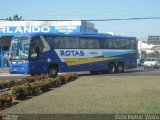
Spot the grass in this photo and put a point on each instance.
(97, 94)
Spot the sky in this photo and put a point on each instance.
(91, 9)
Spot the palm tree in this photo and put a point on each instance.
(15, 18)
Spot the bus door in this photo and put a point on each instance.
(35, 61)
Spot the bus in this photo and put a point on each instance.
(51, 53)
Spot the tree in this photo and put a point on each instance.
(15, 18)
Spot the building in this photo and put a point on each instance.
(8, 29)
(146, 50)
(154, 40)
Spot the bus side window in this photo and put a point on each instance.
(105, 43)
(97, 44)
(114, 44)
(83, 44)
(71, 42)
(55, 42)
(133, 44)
(37, 42)
(111, 44)
(59, 42)
(89, 43)
(123, 44)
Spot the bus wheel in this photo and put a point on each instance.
(111, 68)
(120, 68)
(53, 71)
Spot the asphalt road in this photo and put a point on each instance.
(132, 72)
(140, 71)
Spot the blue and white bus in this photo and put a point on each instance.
(45, 53)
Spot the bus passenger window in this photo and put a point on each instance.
(111, 44)
(59, 43)
(133, 44)
(71, 42)
(37, 42)
(88, 43)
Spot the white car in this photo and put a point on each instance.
(152, 62)
(140, 62)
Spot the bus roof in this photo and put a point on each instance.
(101, 35)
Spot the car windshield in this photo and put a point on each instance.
(19, 48)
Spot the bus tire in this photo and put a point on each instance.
(111, 68)
(53, 71)
(120, 68)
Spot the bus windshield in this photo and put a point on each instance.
(19, 48)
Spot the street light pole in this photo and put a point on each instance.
(140, 49)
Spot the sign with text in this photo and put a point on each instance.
(11, 28)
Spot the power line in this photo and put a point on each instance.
(115, 19)
(144, 18)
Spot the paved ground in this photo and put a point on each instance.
(4, 74)
(5, 70)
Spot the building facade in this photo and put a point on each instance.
(8, 29)
(154, 40)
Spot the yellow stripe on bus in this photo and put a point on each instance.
(79, 61)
